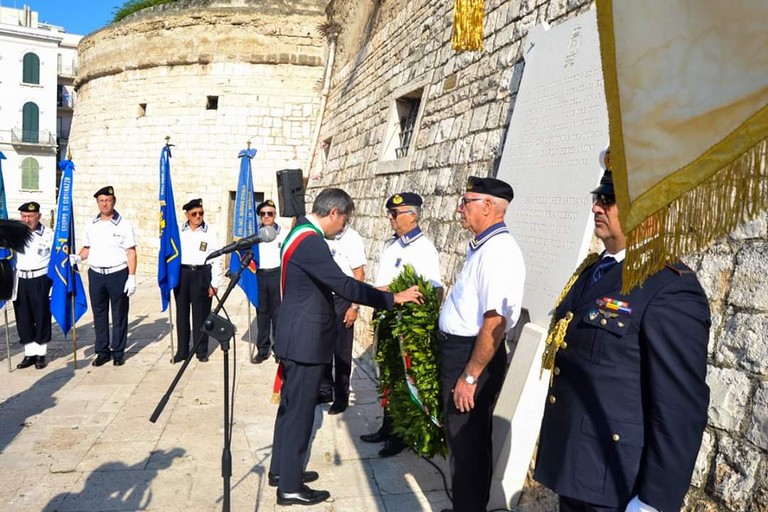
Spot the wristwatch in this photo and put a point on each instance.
(469, 379)
(355, 307)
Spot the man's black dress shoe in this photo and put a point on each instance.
(304, 496)
(118, 361)
(202, 359)
(325, 398)
(179, 359)
(27, 362)
(338, 407)
(40, 362)
(306, 477)
(379, 436)
(260, 358)
(392, 447)
(101, 359)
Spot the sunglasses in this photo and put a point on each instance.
(464, 200)
(196, 214)
(604, 200)
(394, 213)
(266, 214)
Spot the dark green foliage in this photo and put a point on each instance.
(415, 326)
(132, 6)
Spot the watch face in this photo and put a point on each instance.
(469, 379)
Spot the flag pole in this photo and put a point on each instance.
(170, 322)
(251, 348)
(74, 329)
(7, 337)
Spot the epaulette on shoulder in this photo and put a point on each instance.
(679, 268)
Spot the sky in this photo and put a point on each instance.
(76, 16)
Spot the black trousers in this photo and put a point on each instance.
(192, 295)
(106, 291)
(469, 434)
(269, 307)
(336, 375)
(32, 309)
(573, 505)
(293, 424)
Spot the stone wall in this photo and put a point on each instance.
(469, 98)
(154, 75)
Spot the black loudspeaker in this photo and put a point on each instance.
(290, 192)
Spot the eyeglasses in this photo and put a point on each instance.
(604, 200)
(464, 200)
(266, 214)
(196, 214)
(394, 213)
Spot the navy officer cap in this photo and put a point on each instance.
(606, 182)
(268, 202)
(105, 191)
(30, 207)
(490, 186)
(194, 203)
(404, 199)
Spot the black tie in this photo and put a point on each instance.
(601, 268)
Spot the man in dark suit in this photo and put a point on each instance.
(627, 405)
(306, 336)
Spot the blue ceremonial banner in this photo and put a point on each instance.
(66, 287)
(169, 257)
(245, 225)
(5, 253)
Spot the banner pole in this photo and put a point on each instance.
(7, 337)
(170, 321)
(251, 348)
(74, 331)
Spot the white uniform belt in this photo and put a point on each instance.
(109, 270)
(31, 274)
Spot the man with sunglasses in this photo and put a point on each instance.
(627, 403)
(198, 281)
(407, 246)
(268, 273)
(483, 305)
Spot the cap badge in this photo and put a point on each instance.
(397, 199)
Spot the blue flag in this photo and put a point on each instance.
(5, 253)
(66, 287)
(169, 256)
(245, 225)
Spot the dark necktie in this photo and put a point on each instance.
(601, 268)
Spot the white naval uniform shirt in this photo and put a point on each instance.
(197, 244)
(348, 251)
(414, 249)
(108, 241)
(37, 252)
(269, 252)
(492, 279)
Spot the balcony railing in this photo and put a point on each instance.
(33, 138)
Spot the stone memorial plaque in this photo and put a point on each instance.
(551, 156)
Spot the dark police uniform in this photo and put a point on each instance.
(32, 306)
(196, 278)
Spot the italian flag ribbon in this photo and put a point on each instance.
(298, 234)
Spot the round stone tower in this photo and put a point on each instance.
(211, 75)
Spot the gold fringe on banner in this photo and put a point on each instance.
(714, 208)
(468, 25)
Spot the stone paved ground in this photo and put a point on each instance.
(79, 439)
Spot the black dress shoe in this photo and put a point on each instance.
(101, 359)
(306, 477)
(392, 447)
(40, 362)
(304, 496)
(27, 362)
(202, 359)
(338, 407)
(179, 359)
(379, 436)
(118, 361)
(260, 358)
(325, 398)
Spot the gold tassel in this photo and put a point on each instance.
(714, 208)
(468, 25)
(275, 398)
(557, 328)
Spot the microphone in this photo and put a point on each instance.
(265, 234)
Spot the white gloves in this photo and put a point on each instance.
(130, 285)
(75, 259)
(636, 505)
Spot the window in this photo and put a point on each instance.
(30, 174)
(30, 123)
(407, 112)
(212, 103)
(31, 69)
(401, 132)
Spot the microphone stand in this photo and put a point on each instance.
(222, 330)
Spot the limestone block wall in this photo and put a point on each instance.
(386, 48)
(212, 76)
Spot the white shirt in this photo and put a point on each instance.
(348, 251)
(413, 249)
(492, 279)
(269, 252)
(108, 241)
(37, 252)
(197, 244)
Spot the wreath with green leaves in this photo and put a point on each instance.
(407, 337)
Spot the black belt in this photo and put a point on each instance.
(195, 267)
(455, 338)
(268, 270)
